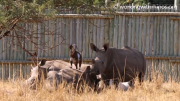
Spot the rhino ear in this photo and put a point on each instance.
(93, 47)
(93, 61)
(106, 46)
(88, 68)
(43, 61)
(70, 46)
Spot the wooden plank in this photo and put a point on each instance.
(60, 36)
(1, 72)
(133, 31)
(129, 31)
(168, 36)
(123, 31)
(175, 37)
(84, 37)
(46, 37)
(179, 40)
(155, 35)
(115, 32)
(1, 49)
(57, 38)
(147, 36)
(87, 38)
(137, 32)
(120, 31)
(77, 33)
(172, 38)
(140, 33)
(67, 39)
(71, 31)
(94, 34)
(164, 37)
(151, 35)
(158, 36)
(161, 36)
(74, 31)
(80, 36)
(111, 32)
(102, 32)
(98, 34)
(144, 34)
(126, 31)
(90, 37)
(107, 31)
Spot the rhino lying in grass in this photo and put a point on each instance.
(55, 72)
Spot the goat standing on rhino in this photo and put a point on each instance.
(75, 56)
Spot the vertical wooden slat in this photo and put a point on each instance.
(115, 32)
(164, 37)
(111, 32)
(137, 32)
(144, 35)
(151, 35)
(133, 31)
(67, 38)
(129, 32)
(84, 37)
(147, 36)
(123, 32)
(120, 31)
(140, 33)
(71, 31)
(80, 35)
(63, 23)
(155, 36)
(60, 36)
(77, 33)
(179, 39)
(158, 35)
(172, 38)
(102, 32)
(1, 72)
(87, 38)
(46, 37)
(90, 36)
(175, 37)
(94, 34)
(107, 31)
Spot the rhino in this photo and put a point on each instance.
(121, 65)
(53, 73)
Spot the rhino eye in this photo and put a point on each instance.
(102, 62)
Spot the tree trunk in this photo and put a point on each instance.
(107, 3)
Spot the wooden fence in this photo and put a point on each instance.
(123, 8)
(156, 35)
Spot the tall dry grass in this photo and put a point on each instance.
(156, 90)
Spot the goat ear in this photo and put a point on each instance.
(70, 46)
(43, 61)
(93, 47)
(106, 46)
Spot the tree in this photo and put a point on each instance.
(13, 12)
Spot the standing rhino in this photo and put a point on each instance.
(118, 64)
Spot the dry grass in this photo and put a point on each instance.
(149, 91)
